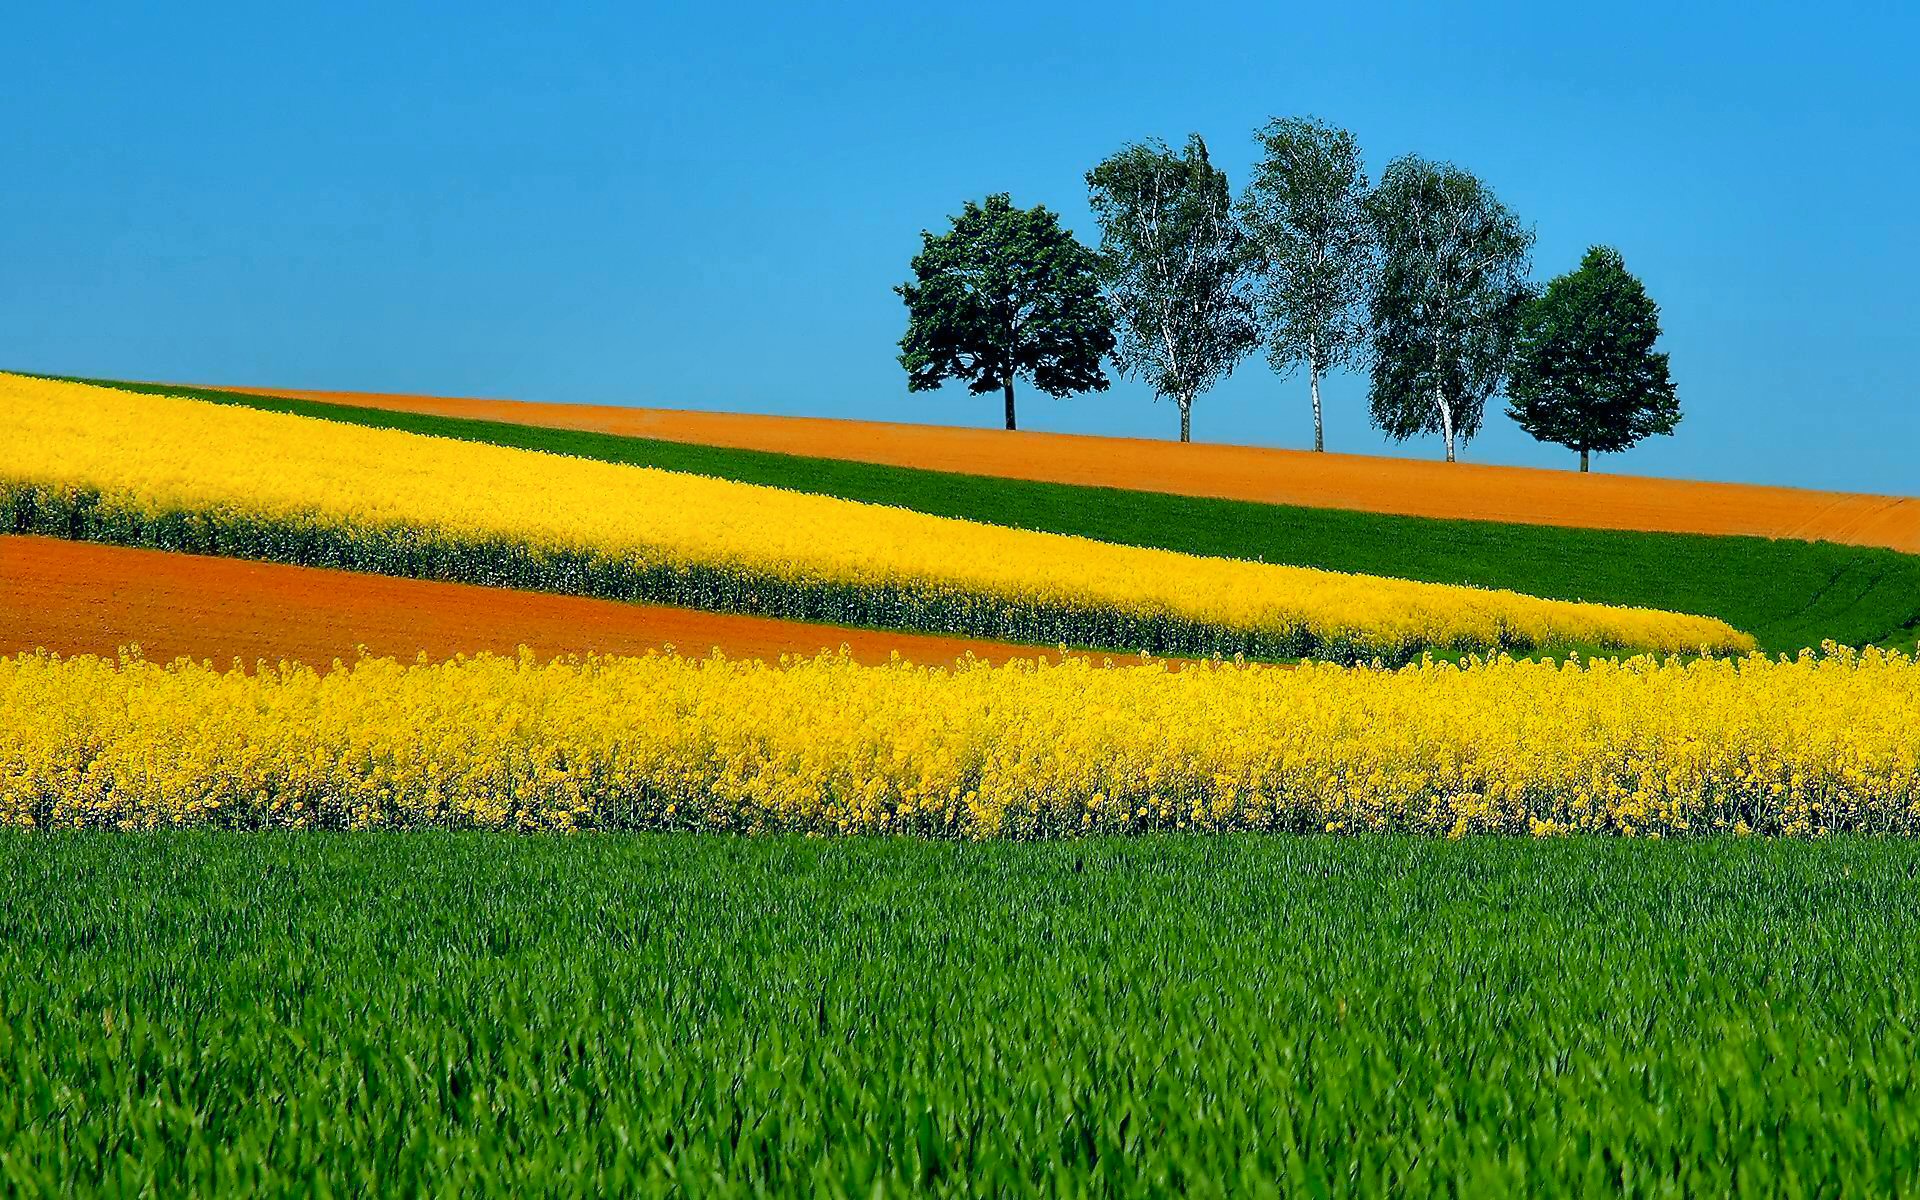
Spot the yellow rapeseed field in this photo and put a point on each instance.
(1820, 744)
(115, 466)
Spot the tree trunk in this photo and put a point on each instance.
(1186, 420)
(1009, 402)
(1313, 381)
(1583, 460)
(1446, 421)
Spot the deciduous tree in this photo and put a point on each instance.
(1006, 293)
(1445, 304)
(1305, 214)
(1176, 266)
(1585, 372)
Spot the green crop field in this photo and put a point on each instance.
(406, 1014)
(1788, 594)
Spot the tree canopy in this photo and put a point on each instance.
(1176, 266)
(1306, 216)
(1006, 293)
(1586, 375)
(1420, 281)
(1445, 305)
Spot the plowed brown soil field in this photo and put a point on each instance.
(76, 598)
(1365, 483)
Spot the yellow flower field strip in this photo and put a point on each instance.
(112, 465)
(1804, 747)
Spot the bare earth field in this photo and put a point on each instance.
(1348, 481)
(78, 598)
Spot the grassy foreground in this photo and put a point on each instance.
(476, 1014)
(1788, 594)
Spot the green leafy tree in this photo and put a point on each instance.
(1177, 263)
(1305, 211)
(1585, 373)
(1446, 302)
(1006, 293)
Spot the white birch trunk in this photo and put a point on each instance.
(1313, 385)
(1313, 381)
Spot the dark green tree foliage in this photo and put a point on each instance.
(1005, 293)
(1305, 213)
(1585, 372)
(1446, 303)
(1177, 265)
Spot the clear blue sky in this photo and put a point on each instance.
(705, 206)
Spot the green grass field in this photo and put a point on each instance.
(1788, 594)
(472, 1014)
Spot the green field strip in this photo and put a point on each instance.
(1788, 594)
(201, 1013)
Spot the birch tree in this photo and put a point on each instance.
(1305, 212)
(1446, 302)
(1176, 266)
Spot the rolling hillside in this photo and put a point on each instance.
(1362, 483)
(178, 473)
(1789, 593)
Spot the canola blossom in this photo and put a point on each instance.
(102, 464)
(1816, 745)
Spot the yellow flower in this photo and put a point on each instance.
(1802, 747)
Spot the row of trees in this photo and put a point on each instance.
(1422, 280)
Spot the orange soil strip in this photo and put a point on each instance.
(77, 598)
(1367, 483)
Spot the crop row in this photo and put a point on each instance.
(1803, 747)
(96, 463)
